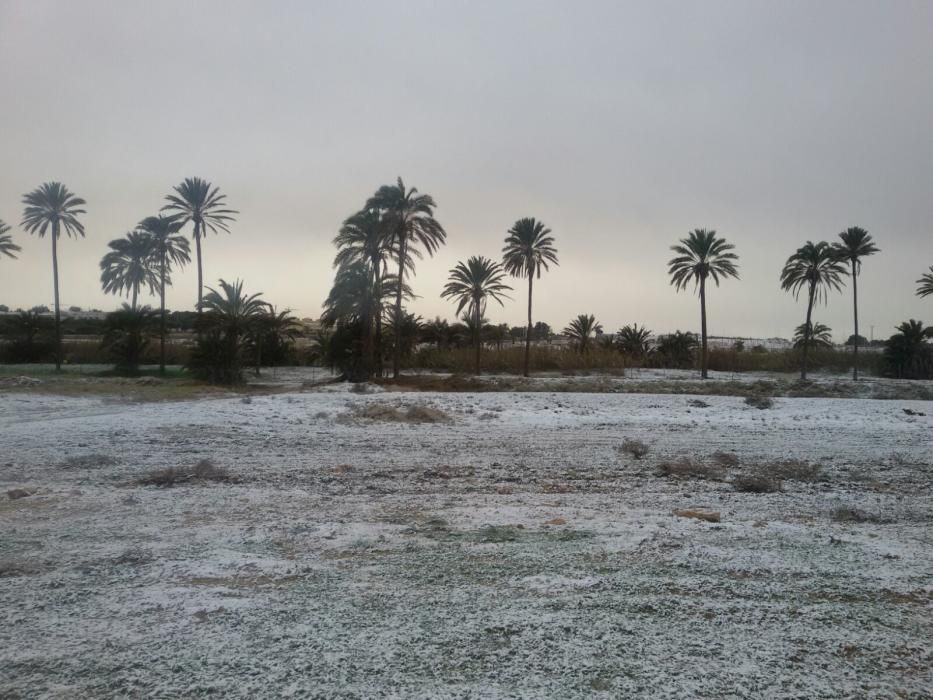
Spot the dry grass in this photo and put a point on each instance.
(90, 461)
(793, 470)
(686, 468)
(849, 514)
(203, 471)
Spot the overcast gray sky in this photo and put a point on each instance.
(621, 125)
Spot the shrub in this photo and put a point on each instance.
(726, 460)
(634, 448)
(759, 402)
(756, 483)
(685, 468)
(849, 514)
(794, 470)
(204, 470)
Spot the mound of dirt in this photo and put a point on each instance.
(396, 413)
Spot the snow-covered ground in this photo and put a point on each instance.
(510, 551)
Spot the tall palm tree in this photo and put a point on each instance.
(50, 208)
(128, 266)
(168, 248)
(201, 203)
(856, 243)
(907, 354)
(7, 246)
(366, 237)
(411, 220)
(471, 285)
(816, 268)
(925, 284)
(582, 329)
(701, 255)
(529, 248)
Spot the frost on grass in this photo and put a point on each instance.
(727, 460)
(89, 461)
(381, 412)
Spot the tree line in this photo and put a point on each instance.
(378, 248)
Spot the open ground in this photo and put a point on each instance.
(326, 542)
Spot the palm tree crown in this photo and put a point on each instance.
(529, 249)
(581, 330)
(925, 284)
(475, 281)
(7, 246)
(701, 255)
(816, 267)
(53, 205)
(129, 265)
(166, 241)
(634, 340)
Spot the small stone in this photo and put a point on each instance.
(18, 493)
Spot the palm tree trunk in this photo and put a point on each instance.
(703, 358)
(258, 353)
(197, 244)
(58, 317)
(855, 311)
(807, 331)
(528, 329)
(135, 296)
(377, 341)
(476, 331)
(397, 351)
(162, 318)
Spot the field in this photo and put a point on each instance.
(330, 542)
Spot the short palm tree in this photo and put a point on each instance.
(634, 340)
(856, 243)
(272, 331)
(700, 256)
(410, 218)
(817, 268)
(229, 314)
(127, 332)
(7, 246)
(581, 331)
(471, 285)
(201, 203)
(676, 350)
(50, 208)
(168, 248)
(907, 354)
(128, 266)
(925, 284)
(819, 336)
(529, 249)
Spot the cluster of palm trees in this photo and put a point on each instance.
(378, 247)
(143, 257)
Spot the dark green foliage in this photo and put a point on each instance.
(907, 354)
(676, 350)
(127, 335)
